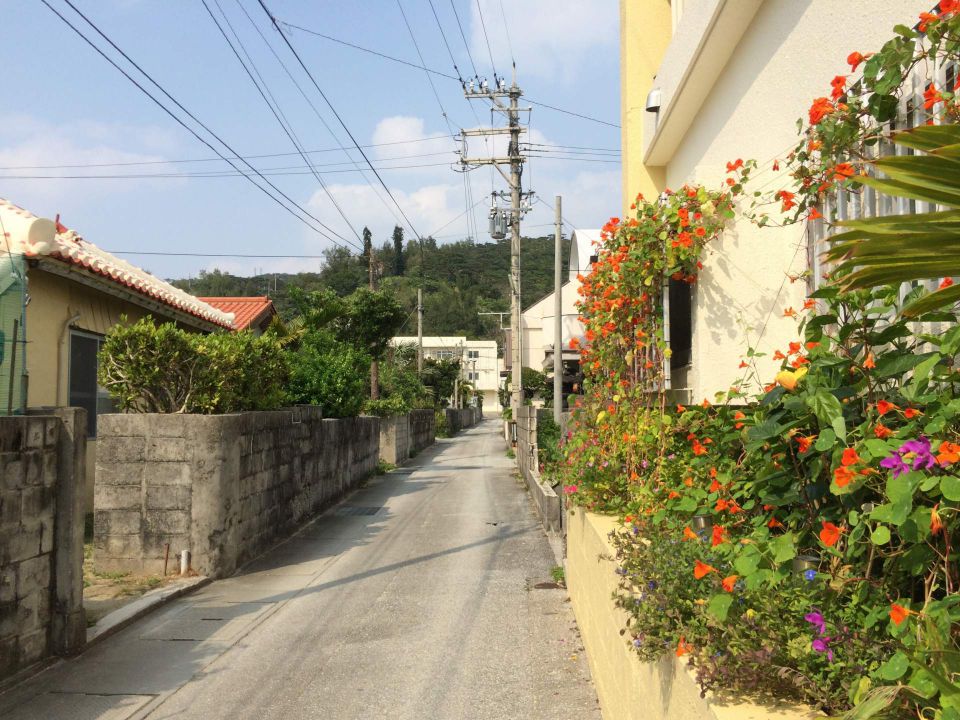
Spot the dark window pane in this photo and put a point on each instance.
(83, 377)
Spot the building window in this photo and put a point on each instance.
(473, 354)
(681, 330)
(83, 388)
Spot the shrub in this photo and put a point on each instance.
(442, 427)
(163, 369)
(329, 373)
(386, 407)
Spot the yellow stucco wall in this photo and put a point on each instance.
(53, 301)
(645, 30)
(627, 688)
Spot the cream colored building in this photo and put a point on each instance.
(479, 365)
(538, 319)
(727, 79)
(74, 293)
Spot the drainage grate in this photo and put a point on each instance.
(357, 510)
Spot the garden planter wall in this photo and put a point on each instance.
(628, 688)
(223, 487)
(42, 470)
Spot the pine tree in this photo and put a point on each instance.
(367, 243)
(399, 262)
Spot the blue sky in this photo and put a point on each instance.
(70, 107)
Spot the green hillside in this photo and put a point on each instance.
(459, 280)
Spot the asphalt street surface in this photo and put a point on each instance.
(415, 597)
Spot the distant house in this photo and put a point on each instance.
(538, 319)
(249, 313)
(59, 295)
(479, 364)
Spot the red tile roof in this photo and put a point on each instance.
(247, 311)
(42, 238)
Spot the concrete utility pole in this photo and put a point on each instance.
(419, 331)
(558, 318)
(515, 160)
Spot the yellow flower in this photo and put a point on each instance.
(788, 379)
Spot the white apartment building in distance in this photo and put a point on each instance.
(479, 365)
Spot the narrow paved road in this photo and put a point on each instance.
(414, 598)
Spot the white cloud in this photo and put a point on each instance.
(33, 147)
(551, 38)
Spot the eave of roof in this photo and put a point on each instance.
(247, 311)
(40, 238)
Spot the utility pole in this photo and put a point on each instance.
(419, 331)
(557, 317)
(515, 160)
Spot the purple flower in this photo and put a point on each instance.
(822, 645)
(895, 464)
(816, 619)
(913, 454)
(809, 575)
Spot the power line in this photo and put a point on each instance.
(179, 121)
(433, 71)
(464, 37)
(506, 27)
(574, 147)
(446, 44)
(277, 113)
(211, 174)
(316, 112)
(487, 39)
(336, 114)
(244, 157)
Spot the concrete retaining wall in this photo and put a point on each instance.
(423, 430)
(223, 487)
(628, 688)
(41, 537)
(547, 502)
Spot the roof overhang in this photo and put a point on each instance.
(701, 46)
(99, 283)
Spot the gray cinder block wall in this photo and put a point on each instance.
(423, 430)
(41, 537)
(461, 418)
(223, 487)
(395, 439)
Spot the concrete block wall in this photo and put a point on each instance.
(461, 418)
(223, 487)
(423, 430)
(395, 439)
(41, 537)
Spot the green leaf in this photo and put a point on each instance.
(719, 605)
(880, 535)
(747, 563)
(891, 364)
(826, 440)
(784, 548)
(923, 684)
(895, 667)
(950, 487)
(829, 412)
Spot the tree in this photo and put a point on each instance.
(330, 373)
(439, 377)
(367, 243)
(399, 262)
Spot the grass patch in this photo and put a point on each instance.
(558, 575)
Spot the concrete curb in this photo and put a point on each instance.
(121, 617)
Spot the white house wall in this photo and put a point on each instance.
(784, 59)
